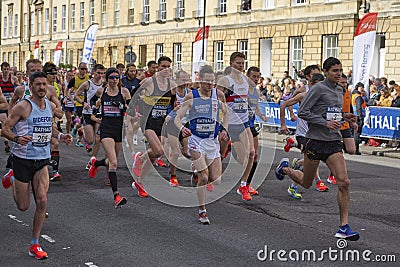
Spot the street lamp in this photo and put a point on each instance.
(110, 53)
(42, 51)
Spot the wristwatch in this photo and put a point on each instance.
(16, 139)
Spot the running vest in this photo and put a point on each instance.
(38, 125)
(354, 103)
(179, 101)
(112, 110)
(346, 108)
(204, 115)
(159, 103)
(7, 87)
(58, 91)
(237, 101)
(253, 101)
(302, 126)
(91, 91)
(78, 82)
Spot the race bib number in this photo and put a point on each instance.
(240, 105)
(205, 128)
(159, 113)
(334, 114)
(41, 135)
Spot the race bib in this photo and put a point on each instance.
(159, 113)
(334, 114)
(205, 128)
(240, 105)
(41, 135)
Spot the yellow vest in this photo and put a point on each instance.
(78, 82)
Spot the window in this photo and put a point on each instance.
(25, 25)
(114, 52)
(80, 54)
(5, 29)
(131, 13)
(54, 19)
(91, 12)
(296, 54)
(15, 59)
(70, 56)
(5, 54)
(32, 23)
(180, 9)
(116, 12)
(221, 7)
(330, 48)
(177, 56)
(10, 23)
(72, 17)
(199, 8)
(162, 13)
(268, 4)
(246, 5)
(39, 22)
(243, 47)
(299, 2)
(219, 56)
(82, 16)
(146, 11)
(16, 25)
(63, 18)
(159, 50)
(103, 13)
(46, 20)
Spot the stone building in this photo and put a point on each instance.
(274, 35)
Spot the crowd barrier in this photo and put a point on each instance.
(379, 123)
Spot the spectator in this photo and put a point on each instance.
(385, 100)
(378, 83)
(277, 94)
(359, 105)
(285, 76)
(374, 96)
(287, 92)
(384, 81)
(396, 99)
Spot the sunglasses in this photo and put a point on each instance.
(113, 77)
(83, 68)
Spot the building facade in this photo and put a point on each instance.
(274, 35)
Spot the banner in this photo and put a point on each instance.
(382, 122)
(36, 50)
(198, 51)
(271, 110)
(90, 39)
(363, 49)
(57, 53)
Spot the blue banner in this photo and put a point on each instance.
(382, 122)
(271, 111)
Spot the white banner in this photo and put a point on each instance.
(90, 39)
(198, 60)
(57, 53)
(363, 49)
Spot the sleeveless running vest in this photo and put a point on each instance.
(302, 126)
(7, 87)
(78, 82)
(237, 101)
(204, 115)
(159, 104)
(112, 114)
(58, 91)
(38, 125)
(253, 101)
(91, 91)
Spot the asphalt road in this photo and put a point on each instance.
(84, 229)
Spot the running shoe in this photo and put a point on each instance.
(320, 186)
(289, 144)
(135, 139)
(140, 189)
(74, 132)
(88, 165)
(93, 169)
(203, 218)
(295, 164)
(78, 143)
(293, 192)
(56, 176)
(7, 149)
(252, 191)
(209, 187)
(244, 192)
(37, 252)
(133, 155)
(88, 148)
(119, 201)
(137, 165)
(173, 181)
(331, 179)
(7, 179)
(279, 170)
(161, 163)
(346, 233)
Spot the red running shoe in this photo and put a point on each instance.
(137, 165)
(93, 169)
(37, 252)
(321, 187)
(6, 180)
(173, 181)
(289, 144)
(244, 192)
(119, 201)
(251, 190)
(140, 189)
(331, 179)
(161, 163)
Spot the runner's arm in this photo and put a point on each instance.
(3, 101)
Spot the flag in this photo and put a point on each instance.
(57, 53)
(90, 39)
(36, 50)
(363, 49)
(199, 54)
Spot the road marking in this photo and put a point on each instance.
(14, 218)
(48, 238)
(90, 264)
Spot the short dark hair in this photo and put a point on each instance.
(5, 64)
(317, 77)
(234, 55)
(392, 82)
(111, 70)
(344, 76)
(329, 62)
(50, 68)
(205, 69)
(163, 58)
(32, 61)
(81, 63)
(151, 62)
(98, 67)
(307, 71)
(253, 68)
(35, 75)
(120, 65)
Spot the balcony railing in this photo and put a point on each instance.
(161, 16)
(145, 18)
(179, 14)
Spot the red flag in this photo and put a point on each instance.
(59, 46)
(37, 44)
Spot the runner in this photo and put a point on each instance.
(321, 108)
(158, 97)
(253, 73)
(68, 103)
(236, 87)
(114, 100)
(29, 126)
(203, 106)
